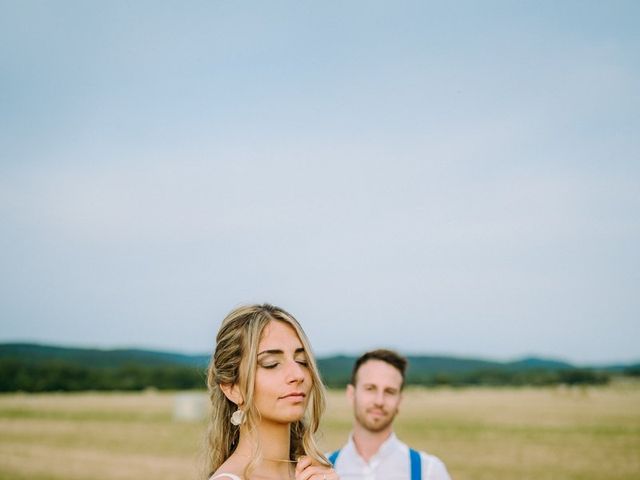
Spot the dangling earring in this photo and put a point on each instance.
(237, 418)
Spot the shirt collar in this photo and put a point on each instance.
(387, 447)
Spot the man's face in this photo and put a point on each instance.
(376, 396)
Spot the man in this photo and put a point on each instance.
(373, 452)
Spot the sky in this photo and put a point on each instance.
(451, 178)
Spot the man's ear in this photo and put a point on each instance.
(232, 392)
(350, 394)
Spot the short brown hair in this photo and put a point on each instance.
(388, 356)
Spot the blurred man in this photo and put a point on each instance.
(373, 452)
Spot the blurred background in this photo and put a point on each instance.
(457, 181)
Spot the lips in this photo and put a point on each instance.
(294, 395)
(377, 413)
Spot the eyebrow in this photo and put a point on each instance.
(382, 387)
(280, 352)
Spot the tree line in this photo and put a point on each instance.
(19, 375)
(16, 375)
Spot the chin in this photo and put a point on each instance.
(295, 416)
(287, 420)
(377, 426)
(288, 417)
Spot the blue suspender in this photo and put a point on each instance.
(416, 465)
(414, 457)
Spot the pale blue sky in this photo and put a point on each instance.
(458, 179)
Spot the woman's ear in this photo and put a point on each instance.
(232, 392)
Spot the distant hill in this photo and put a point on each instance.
(98, 358)
(422, 369)
(534, 363)
(336, 365)
(32, 367)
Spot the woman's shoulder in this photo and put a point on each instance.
(224, 476)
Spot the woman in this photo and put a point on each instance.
(261, 378)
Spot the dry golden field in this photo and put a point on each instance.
(482, 434)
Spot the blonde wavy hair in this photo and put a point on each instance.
(234, 362)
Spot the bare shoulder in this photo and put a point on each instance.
(229, 470)
(224, 476)
(232, 469)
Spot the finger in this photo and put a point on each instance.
(316, 472)
(325, 475)
(307, 473)
(303, 462)
(330, 474)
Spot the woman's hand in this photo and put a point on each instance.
(307, 469)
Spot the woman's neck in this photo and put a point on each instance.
(275, 441)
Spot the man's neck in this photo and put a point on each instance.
(367, 442)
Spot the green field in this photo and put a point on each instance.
(481, 434)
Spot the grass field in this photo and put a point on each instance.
(482, 434)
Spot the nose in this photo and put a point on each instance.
(379, 398)
(295, 373)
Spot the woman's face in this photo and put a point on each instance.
(283, 380)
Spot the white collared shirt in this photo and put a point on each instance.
(391, 462)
